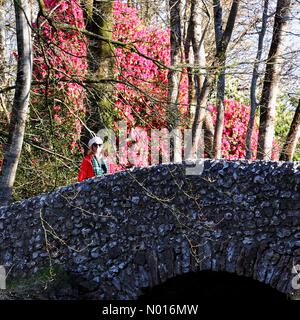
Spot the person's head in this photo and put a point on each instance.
(95, 145)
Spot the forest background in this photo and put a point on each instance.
(227, 70)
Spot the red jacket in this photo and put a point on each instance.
(86, 170)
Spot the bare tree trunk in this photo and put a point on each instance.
(202, 92)
(199, 117)
(222, 41)
(188, 55)
(3, 107)
(198, 44)
(195, 55)
(99, 19)
(174, 76)
(201, 111)
(21, 101)
(271, 81)
(208, 134)
(254, 81)
(218, 19)
(2, 43)
(292, 139)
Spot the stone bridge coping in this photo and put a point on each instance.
(255, 166)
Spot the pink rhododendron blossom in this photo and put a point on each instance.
(141, 95)
(61, 57)
(235, 130)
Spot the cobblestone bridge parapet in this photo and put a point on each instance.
(137, 228)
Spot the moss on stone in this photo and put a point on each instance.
(42, 284)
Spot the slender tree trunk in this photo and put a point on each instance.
(21, 100)
(218, 19)
(222, 41)
(189, 56)
(201, 111)
(195, 59)
(2, 43)
(99, 19)
(254, 81)
(292, 139)
(208, 134)
(174, 76)
(271, 81)
(203, 119)
(3, 106)
(205, 122)
(195, 54)
(202, 83)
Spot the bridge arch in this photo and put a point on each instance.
(136, 229)
(217, 286)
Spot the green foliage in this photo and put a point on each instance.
(284, 116)
(40, 172)
(40, 284)
(58, 104)
(235, 91)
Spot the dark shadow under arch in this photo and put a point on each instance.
(210, 285)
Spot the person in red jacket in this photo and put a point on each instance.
(94, 163)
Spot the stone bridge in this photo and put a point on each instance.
(135, 229)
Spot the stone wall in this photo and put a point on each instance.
(137, 228)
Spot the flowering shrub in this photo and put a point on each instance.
(59, 59)
(141, 99)
(236, 119)
(141, 94)
(140, 107)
